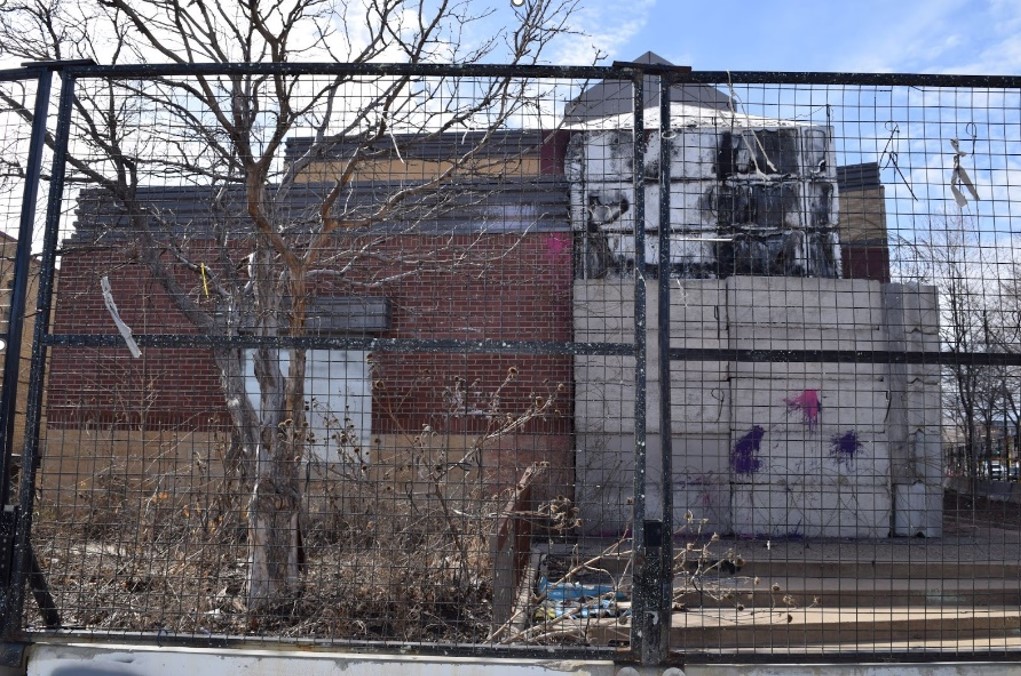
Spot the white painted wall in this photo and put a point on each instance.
(800, 486)
(338, 390)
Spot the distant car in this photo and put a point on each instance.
(997, 470)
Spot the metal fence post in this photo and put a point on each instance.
(666, 577)
(24, 565)
(12, 358)
(646, 642)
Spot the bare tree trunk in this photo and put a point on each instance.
(274, 535)
(244, 420)
(275, 548)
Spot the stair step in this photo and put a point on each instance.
(763, 628)
(847, 593)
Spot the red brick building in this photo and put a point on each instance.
(492, 263)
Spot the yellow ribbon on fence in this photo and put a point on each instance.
(205, 282)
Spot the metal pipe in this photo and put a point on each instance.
(663, 335)
(19, 292)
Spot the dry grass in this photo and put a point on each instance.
(396, 550)
(389, 562)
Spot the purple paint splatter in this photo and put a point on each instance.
(745, 457)
(845, 447)
(808, 403)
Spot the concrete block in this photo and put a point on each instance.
(690, 249)
(766, 510)
(693, 153)
(923, 375)
(795, 336)
(707, 499)
(604, 469)
(604, 407)
(916, 341)
(849, 510)
(697, 409)
(608, 153)
(698, 314)
(922, 406)
(859, 459)
(709, 339)
(598, 368)
(877, 374)
(697, 301)
(605, 479)
(686, 248)
(608, 203)
(918, 510)
(700, 457)
(597, 320)
(829, 407)
(912, 307)
(918, 456)
(613, 292)
(689, 216)
(808, 509)
(694, 457)
(690, 374)
(804, 302)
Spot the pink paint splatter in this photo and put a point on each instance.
(557, 246)
(808, 403)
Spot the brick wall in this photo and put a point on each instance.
(492, 287)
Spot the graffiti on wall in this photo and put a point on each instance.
(752, 197)
(807, 403)
(744, 459)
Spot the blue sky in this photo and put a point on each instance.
(919, 36)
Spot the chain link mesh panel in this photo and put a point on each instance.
(364, 367)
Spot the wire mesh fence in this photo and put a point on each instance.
(499, 358)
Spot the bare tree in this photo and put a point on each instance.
(1005, 327)
(977, 309)
(229, 131)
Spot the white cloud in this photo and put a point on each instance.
(954, 37)
(606, 26)
(905, 37)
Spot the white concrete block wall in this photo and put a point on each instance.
(803, 509)
(605, 480)
(835, 470)
(780, 301)
(860, 404)
(604, 471)
(817, 459)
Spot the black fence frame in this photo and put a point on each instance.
(653, 550)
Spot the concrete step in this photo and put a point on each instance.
(932, 569)
(961, 592)
(855, 562)
(828, 592)
(719, 629)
